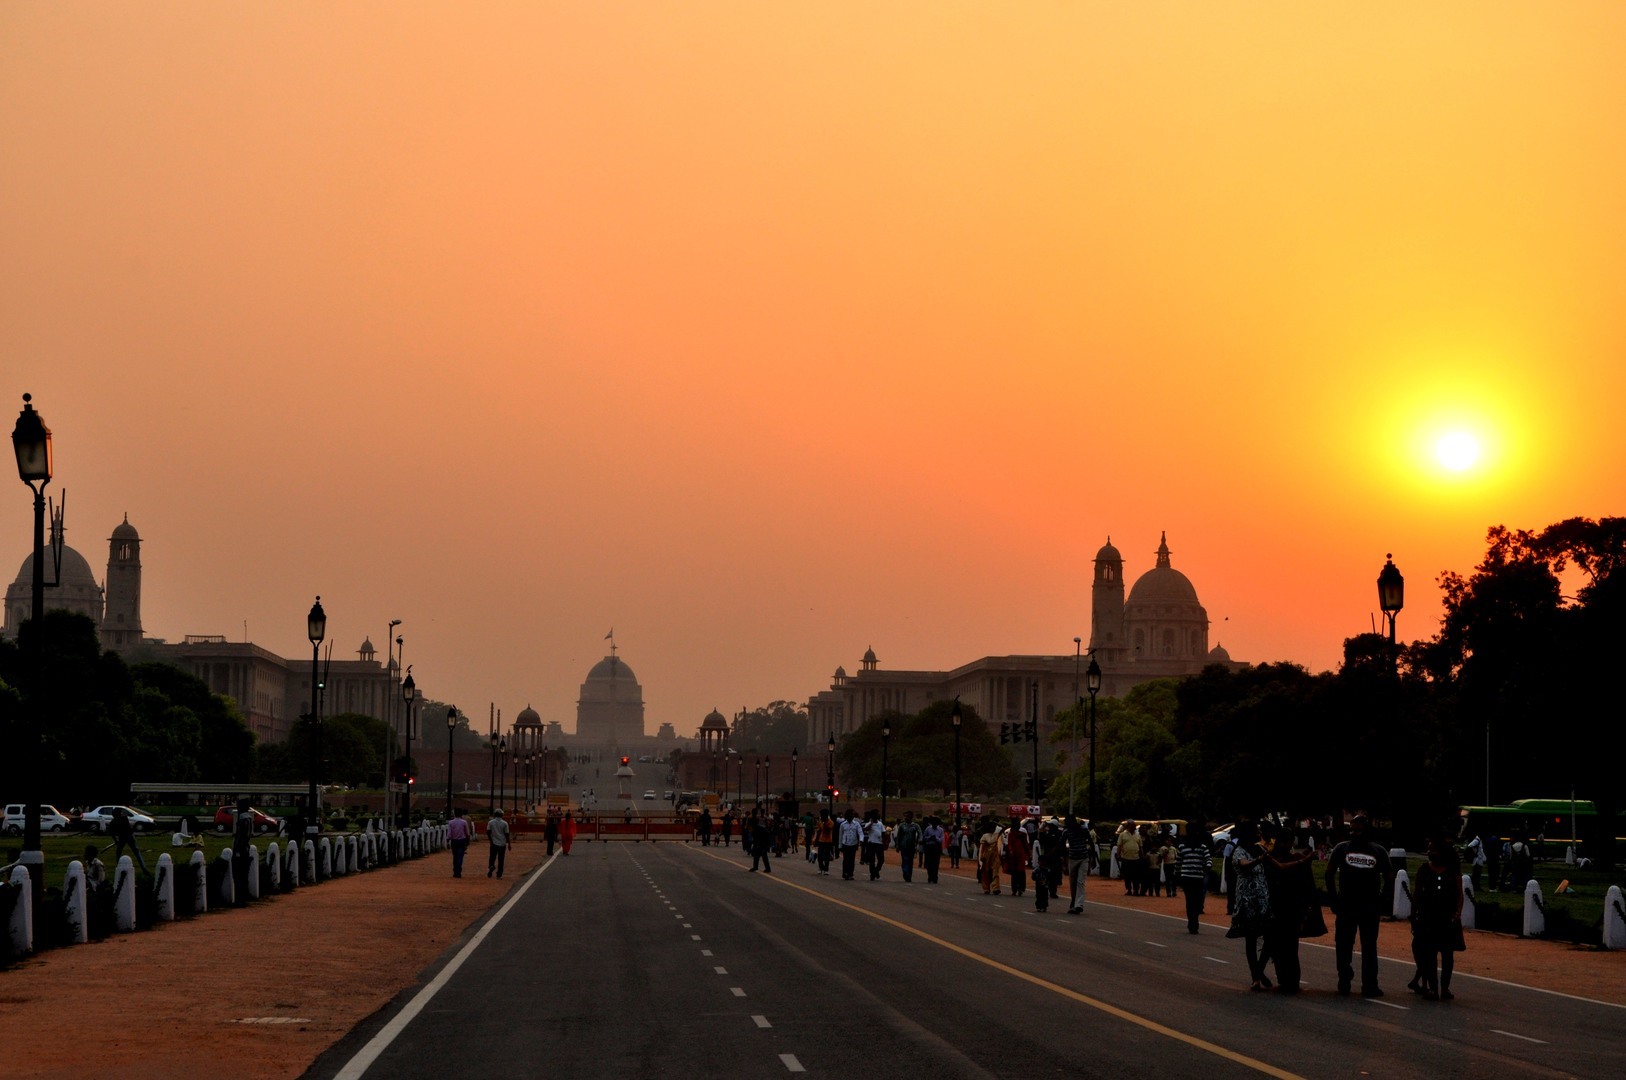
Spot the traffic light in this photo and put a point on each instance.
(1004, 734)
(623, 759)
(1035, 788)
(1018, 732)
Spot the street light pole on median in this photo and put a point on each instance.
(316, 629)
(955, 717)
(886, 737)
(451, 726)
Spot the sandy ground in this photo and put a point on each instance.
(270, 987)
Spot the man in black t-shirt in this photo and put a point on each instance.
(1357, 871)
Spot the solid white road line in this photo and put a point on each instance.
(358, 1065)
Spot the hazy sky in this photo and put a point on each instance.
(767, 332)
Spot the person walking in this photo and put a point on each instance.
(550, 831)
(1127, 847)
(1080, 844)
(458, 831)
(1018, 856)
(988, 855)
(824, 841)
(1292, 891)
(761, 842)
(1436, 920)
(1357, 871)
(123, 834)
(849, 835)
(931, 848)
(1251, 921)
(874, 843)
(907, 839)
(1049, 863)
(496, 836)
(567, 833)
(1195, 861)
(728, 827)
(703, 827)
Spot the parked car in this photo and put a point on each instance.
(226, 820)
(666, 796)
(51, 819)
(99, 819)
(650, 794)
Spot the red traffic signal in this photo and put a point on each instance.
(624, 759)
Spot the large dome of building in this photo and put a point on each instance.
(78, 592)
(611, 706)
(1163, 620)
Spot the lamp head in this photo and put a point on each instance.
(409, 689)
(316, 622)
(451, 717)
(31, 440)
(1391, 587)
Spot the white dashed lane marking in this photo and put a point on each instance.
(737, 991)
(761, 1021)
(720, 970)
(1216, 960)
(1511, 1035)
(791, 1063)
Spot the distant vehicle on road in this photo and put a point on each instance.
(650, 794)
(51, 819)
(226, 820)
(99, 819)
(666, 796)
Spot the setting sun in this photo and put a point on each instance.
(1458, 451)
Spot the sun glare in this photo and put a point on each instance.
(1458, 451)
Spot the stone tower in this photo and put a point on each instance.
(1107, 604)
(121, 622)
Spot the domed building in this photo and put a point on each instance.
(78, 591)
(116, 609)
(1159, 629)
(611, 706)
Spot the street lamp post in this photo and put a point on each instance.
(1391, 593)
(31, 441)
(502, 770)
(491, 788)
(409, 694)
(316, 629)
(830, 775)
(390, 668)
(955, 718)
(767, 779)
(1092, 681)
(886, 737)
(1078, 708)
(793, 782)
(451, 726)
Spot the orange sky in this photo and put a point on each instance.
(765, 333)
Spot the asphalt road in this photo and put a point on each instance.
(670, 960)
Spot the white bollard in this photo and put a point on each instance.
(1535, 914)
(163, 889)
(253, 876)
(307, 871)
(1402, 904)
(338, 857)
(1117, 871)
(324, 860)
(1614, 919)
(20, 932)
(1469, 901)
(124, 887)
(1569, 854)
(273, 866)
(290, 864)
(227, 894)
(200, 887)
(73, 904)
(351, 848)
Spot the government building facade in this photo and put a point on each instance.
(1158, 630)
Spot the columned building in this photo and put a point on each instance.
(1160, 630)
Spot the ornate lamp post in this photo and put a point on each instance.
(409, 694)
(316, 629)
(1092, 681)
(491, 789)
(954, 717)
(830, 775)
(31, 441)
(886, 737)
(502, 770)
(1391, 593)
(451, 726)
(390, 668)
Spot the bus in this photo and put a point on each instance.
(1553, 820)
(195, 805)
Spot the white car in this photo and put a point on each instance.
(650, 794)
(99, 819)
(51, 819)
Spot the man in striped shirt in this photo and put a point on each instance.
(1195, 860)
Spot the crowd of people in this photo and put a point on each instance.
(1274, 892)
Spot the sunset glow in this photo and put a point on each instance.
(768, 333)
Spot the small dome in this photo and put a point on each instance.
(1218, 655)
(611, 667)
(125, 531)
(841, 672)
(528, 717)
(715, 720)
(1108, 553)
(869, 656)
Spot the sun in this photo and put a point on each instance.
(1457, 451)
